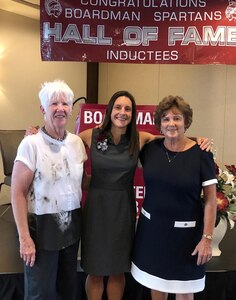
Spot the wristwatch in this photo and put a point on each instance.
(207, 236)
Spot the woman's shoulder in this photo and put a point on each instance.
(73, 137)
(146, 137)
(153, 145)
(190, 144)
(32, 139)
(193, 147)
(30, 143)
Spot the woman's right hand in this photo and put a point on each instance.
(27, 251)
(32, 130)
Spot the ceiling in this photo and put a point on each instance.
(27, 8)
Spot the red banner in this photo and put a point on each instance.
(139, 31)
(91, 115)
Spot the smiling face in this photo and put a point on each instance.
(57, 112)
(172, 123)
(121, 112)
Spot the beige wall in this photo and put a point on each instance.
(208, 88)
(22, 72)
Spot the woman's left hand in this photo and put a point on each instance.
(204, 251)
(205, 143)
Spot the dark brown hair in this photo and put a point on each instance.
(131, 132)
(170, 102)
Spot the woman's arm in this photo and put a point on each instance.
(146, 137)
(86, 181)
(86, 137)
(204, 248)
(22, 177)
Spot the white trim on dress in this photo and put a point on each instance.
(209, 182)
(167, 286)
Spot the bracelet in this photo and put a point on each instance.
(207, 236)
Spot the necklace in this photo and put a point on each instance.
(167, 152)
(57, 139)
(171, 158)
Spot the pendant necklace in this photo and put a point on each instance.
(170, 159)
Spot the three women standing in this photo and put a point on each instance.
(109, 214)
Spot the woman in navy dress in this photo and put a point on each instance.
(174, 232)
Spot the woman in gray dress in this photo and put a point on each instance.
(109, 213)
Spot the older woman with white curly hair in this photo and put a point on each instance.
(46, 195)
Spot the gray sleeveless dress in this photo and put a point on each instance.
(109, 212)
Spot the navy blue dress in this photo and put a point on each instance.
(171, 220)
